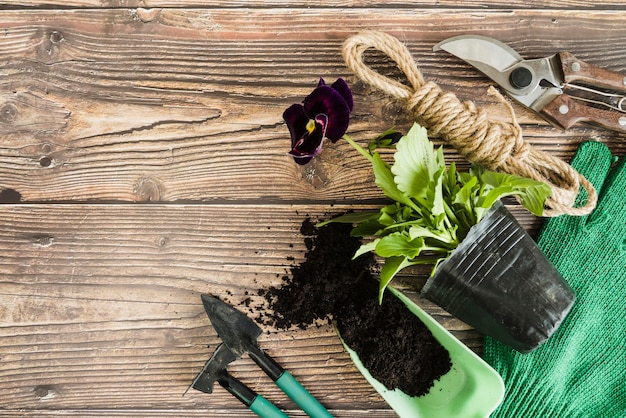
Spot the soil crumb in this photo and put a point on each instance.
(394, 345)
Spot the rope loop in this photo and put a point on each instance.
(495, 145)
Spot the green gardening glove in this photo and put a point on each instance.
(581, 370)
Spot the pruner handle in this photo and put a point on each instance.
(577, 70)
(565, 112)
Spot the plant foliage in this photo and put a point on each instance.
(433, 206)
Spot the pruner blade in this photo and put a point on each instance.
(539, 84)
(533, 83)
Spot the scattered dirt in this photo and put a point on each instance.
(394, 345)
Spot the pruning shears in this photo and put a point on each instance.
(563, 89)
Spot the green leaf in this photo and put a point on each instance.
(495, 194)
(350, 218)
(435, 197)
(533, 193)
(369, 227)
(466, 197)
(450, 182)
(366, 248)
(397, 243)
(388, 215)
(416, 162)
(417, 231)
(384, 180)
(391, 267)
(466, 193)
(534, 198)
(385, 140)
(419, 172)
(452, 217)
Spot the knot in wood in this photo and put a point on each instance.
(8, 113)
(45, 392)
(56, 37)
(10, 196)
(147, 189)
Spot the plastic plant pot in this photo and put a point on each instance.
(499, 282)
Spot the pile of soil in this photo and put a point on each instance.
(394, 345)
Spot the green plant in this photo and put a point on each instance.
(433, 207)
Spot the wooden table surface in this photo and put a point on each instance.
(143, 162)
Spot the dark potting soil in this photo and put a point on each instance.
(393, 344)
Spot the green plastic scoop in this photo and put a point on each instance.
(471, 389)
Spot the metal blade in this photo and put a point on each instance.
(521, 79)
(214, 369)
(486, 54)
(235, 329)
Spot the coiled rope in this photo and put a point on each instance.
(495, 145)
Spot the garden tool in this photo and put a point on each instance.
(239, 333)
(597, 95)
(215, 370)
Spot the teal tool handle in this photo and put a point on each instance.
(288, 384)
(265, 409)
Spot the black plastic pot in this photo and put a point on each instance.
(499, 282)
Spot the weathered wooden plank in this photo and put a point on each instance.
(471, 4)
(181, 105)
(100, 308)
(99, 303)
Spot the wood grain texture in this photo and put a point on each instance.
(101, 306)
(470, 4)
(119, 106)
(109, 104)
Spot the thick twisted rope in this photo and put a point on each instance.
(495, 145)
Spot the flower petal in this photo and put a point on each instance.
(302, 160)
(344, 90)
(310, 143)
(296, 121)
(325, 113)
(327, 101)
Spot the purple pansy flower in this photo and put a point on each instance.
(325, 113)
